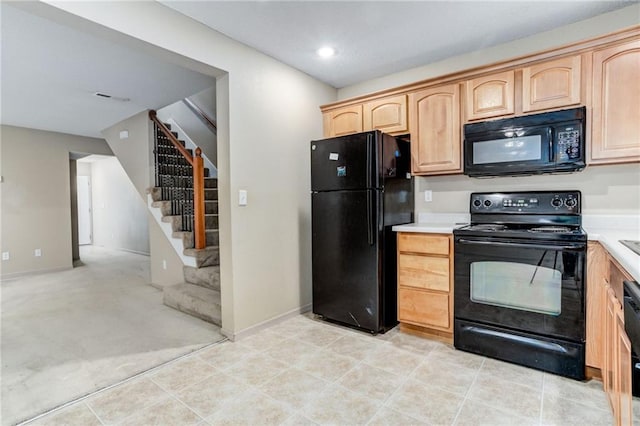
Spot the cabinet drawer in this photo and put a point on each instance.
(422, 307)
(423, 243)
(423, 272)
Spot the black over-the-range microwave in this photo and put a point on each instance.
(551, 142)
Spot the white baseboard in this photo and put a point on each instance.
(135, 252)
(264, 324)
(15, 275)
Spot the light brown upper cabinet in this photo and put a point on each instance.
(386, 114)
(342, 121)
(434, 121)
(615, 121)
(490, 95)
(551, 84)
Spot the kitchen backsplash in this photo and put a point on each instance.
(606, 190)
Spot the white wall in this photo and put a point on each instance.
(197, 131)
(83, 169)
(266, 118)
(166, 267)
(120, 216)
(135, 153)
(36, 203)
(612, 189)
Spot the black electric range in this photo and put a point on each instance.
(519, 280)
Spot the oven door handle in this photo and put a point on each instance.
(576, 246)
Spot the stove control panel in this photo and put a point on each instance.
(539, 202)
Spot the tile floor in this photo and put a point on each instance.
(304, 372)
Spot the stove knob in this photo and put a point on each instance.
(477, 203)
(571, 202)
(556, 202)
(487, 203)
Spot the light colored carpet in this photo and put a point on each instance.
(69, 333)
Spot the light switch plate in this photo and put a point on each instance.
(427, 196)
(5, 255)
(242, 197)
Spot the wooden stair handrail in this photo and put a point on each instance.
(197, 163)
(201, 115)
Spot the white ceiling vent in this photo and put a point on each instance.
(107, 96)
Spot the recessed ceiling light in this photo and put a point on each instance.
(326, 52)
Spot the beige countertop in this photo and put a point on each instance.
(610, 240)
(428, 228)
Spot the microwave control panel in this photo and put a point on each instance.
(567, 144)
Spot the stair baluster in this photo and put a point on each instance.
(181, 179)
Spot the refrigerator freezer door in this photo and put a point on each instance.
(347, 162)
(345, 255)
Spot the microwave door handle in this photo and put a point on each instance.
(577, 246)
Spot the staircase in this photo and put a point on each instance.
(199, 294)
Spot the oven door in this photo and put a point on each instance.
(535, 287)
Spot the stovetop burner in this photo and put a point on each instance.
(533, 215)
(551, 229)
(488, 227)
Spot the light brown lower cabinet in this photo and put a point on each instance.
(616, 348)
(597, 277)
(425, 284)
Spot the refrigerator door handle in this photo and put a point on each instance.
(370, 225)
(369, 146)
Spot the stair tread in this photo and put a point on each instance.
(194, 300)
(206, 276)
(207, 248)
(194, 289)
(178, 234)
(167, 218)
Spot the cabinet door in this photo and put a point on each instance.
(623, 373)
(609, 375)
(597, 272)
(491, 96)
(388, 114)
(551, 84)
(435, 130)
(615, 124)
(343, 121)
(424, 308)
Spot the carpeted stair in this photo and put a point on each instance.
(199, 295)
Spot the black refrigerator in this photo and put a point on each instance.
(361, 186)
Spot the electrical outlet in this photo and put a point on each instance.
(164, 264)
(5, 255)
(37, 252)
(427, 196)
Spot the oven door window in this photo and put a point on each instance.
(521, 286)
